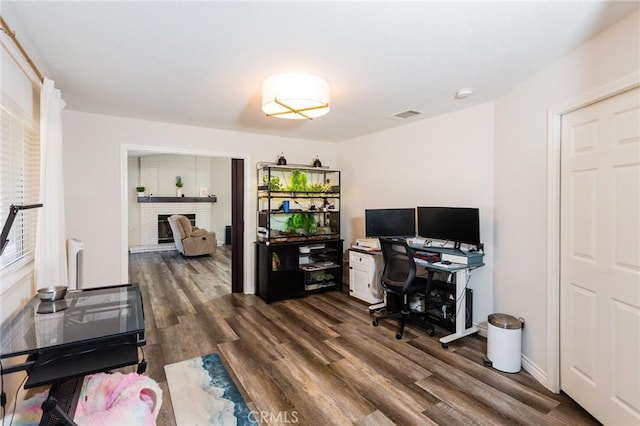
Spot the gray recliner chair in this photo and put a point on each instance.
(191, 240)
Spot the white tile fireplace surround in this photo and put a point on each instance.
(149, 222)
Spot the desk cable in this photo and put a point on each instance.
(15, 401)
(142, 366)
(466, 284)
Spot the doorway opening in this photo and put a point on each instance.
(236, 188)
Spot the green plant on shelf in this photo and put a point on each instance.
(298, 181)
(300, 223)
(179, 183)
(319, 187)
(274, 185)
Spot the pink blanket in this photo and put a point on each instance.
(105, 399)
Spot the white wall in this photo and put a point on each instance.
(159, 173)
(92, 156)
(440, 161)
(521, 174)
(221, 188)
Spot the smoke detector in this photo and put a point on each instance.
(463, 93)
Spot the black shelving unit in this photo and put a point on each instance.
(284, 272)
(298, 245)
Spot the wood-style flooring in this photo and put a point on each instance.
(318, 360)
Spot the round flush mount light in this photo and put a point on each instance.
(295, 96)
(463, 93)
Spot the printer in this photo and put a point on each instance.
(368, 243)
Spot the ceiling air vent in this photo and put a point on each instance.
(410, 113)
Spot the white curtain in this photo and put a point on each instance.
(51, 256)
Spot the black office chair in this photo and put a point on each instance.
(400, 282)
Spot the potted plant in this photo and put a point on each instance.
(140, 190)
(179, 185)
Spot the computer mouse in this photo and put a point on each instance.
(446, 262)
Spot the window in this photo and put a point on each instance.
(19, 179)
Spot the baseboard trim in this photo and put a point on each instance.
(157, 247)
(535, 371)
(483, 327)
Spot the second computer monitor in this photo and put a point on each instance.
(455, 224)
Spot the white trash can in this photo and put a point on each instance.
(504, 341)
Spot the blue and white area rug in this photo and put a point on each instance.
(203, 393)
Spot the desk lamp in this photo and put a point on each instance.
(13, 212)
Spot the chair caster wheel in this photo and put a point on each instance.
(398, 336)
(430, 332)
(375, 323)
(445, 346)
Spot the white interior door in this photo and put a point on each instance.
(600, 258)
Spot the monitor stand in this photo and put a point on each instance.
(456, 247)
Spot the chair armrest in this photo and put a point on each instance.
(197, 232)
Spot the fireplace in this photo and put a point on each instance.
(164, 229)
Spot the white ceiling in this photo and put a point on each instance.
(202, 63)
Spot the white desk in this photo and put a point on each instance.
(365, 270)
(460, 274)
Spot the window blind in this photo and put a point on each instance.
(19, 179)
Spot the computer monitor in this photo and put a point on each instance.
(390, 222)
(456, 224)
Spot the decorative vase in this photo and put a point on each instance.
(178, 192)
(140, 194)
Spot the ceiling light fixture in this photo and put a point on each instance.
(295, 96)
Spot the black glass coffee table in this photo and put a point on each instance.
(91, 331)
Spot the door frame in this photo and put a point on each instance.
(124, 202)
(237, 224)
(554, 122)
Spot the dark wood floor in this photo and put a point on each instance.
(318, 360)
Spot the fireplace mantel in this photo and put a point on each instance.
(211, 199)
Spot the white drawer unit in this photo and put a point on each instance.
(364, 272)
